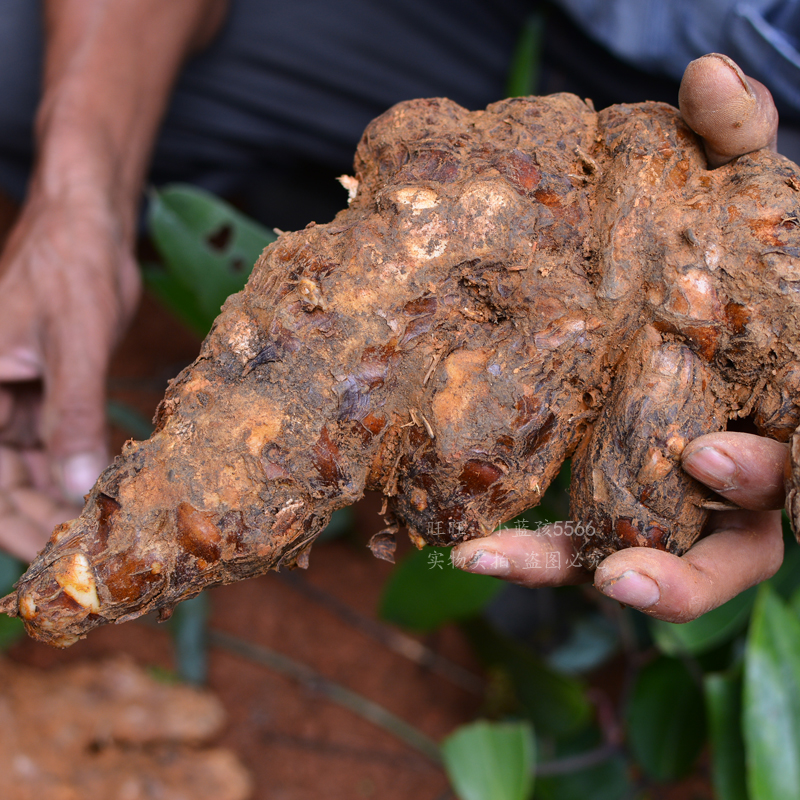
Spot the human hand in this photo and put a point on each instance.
(68, 281)
(739, 548)
(68, 285)
(735, 115)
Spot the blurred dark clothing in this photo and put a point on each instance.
(272, 111)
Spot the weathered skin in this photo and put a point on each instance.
(506, 287)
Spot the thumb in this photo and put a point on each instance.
(733, 113)
(73, 415)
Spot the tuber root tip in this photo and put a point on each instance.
(8, 605)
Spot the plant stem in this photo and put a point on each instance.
(358, 704)
(394, 640)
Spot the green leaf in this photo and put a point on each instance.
(592, 640)
(10, 570)
(11, 628)
(523, 79)
(787, 579)
(706, 632)
(426, 591)
(666, 719)
(189, 625)
(723, 693)
(208, 248)
(491, 761)
(772, 700)
(176, 297)
(794, 602)
(556, 704)
(128, 419)
(608, 780)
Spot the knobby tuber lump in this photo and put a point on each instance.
(507, 288)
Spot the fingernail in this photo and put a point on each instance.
(712, 467)
(483, 562)
(632, 589)
(78, 474)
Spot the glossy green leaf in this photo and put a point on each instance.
(772, 700)
(723, 694)
(208, 248)
(787, 579)
(555, 703)
(706, 632)
(176, 297)
(491, 760)
(666, 719)
(427, 591)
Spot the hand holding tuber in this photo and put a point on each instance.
(739, 549)
(508, 288)
(737, 116)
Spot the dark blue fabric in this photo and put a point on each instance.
(20, 79)
(285, 81)
(662, 36)
(301, 79)
(295, 83)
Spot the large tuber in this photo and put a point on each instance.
(507, 288)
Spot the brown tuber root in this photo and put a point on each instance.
(507, 287)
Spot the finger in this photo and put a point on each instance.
(38, 466)
(20, 537)
(6, 406)
(744, 468)
(544, 557)
(21, 408)
(13, 471)
(746, 549)
(17, 363)
(42, 510)
(733, 113)
(73, 415)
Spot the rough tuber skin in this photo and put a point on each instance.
(507, 288)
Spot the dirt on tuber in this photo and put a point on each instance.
(507, 288)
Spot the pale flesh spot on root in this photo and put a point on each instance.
(74, 575)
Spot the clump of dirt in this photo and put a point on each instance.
(108, 729)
